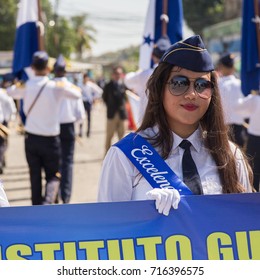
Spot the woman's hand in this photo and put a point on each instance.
(165, 198)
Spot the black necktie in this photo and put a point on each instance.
(190, 173)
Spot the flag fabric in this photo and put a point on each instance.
(153, 28)
(250, 68)
(26, 39)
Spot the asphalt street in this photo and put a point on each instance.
(89, 154)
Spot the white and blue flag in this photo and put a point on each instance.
(26, 40)
(153, 27)
(250, 47)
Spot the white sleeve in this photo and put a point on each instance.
(16, 92)
(67, 89)
(3, 198)
(10, 108)
(242, 171)
(116, 178)
(134, 81)
(96, 90)
(246, 105)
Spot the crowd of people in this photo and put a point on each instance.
(192, 116)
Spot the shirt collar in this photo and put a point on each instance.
(195, 138)
(227, 78)
(40, 78)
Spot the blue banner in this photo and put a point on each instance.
(204, 227)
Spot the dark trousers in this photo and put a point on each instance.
(3, 147)
(238, 134)
(88, 107)
(253, 152)
(67, 138)
(42, 153)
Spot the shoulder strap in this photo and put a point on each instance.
(36, 98)
(150, 164)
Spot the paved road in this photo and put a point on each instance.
(89, 153)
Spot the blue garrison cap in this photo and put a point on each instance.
(227, 59)
(60, 64)
(161, 46)
(190, 54)
(40, 59)
(8, 77)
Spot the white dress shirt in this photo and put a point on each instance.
(71, 110)
(91, 92)
(7, 106)
(44, 117)
(230, 92)
(250, 107)
(136, 81)
(121, 181)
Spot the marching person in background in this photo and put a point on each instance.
(184, 124)
(230, 91)
(42, 99)
(90, 92)
(249, 107)
(114, 96)
(136, 81)
(7, 113)
(71, 111)
(10, 109)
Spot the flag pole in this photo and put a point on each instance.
(257, 24)
(40, 27)
(164, 17)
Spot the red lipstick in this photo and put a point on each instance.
(190, 107)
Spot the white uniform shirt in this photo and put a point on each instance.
(121, 181)
(230, 92)
(250, 107)
(7, 106)
(44, 117)
(91, 92)
(136, 81)
(3, 199)
(71, 110)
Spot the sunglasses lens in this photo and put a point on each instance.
(203, 87)
(179, 85)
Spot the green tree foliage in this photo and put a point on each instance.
(8, 11)
(202, 13)
(84, 34)
(60, 38)
(65, 36)
(8, 17)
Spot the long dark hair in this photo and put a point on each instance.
(213, 126)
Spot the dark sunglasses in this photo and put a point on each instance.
(179, 85)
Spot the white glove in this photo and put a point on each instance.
(165, 198)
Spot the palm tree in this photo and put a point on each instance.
(84, 34)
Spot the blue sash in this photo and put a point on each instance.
(150, 164)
